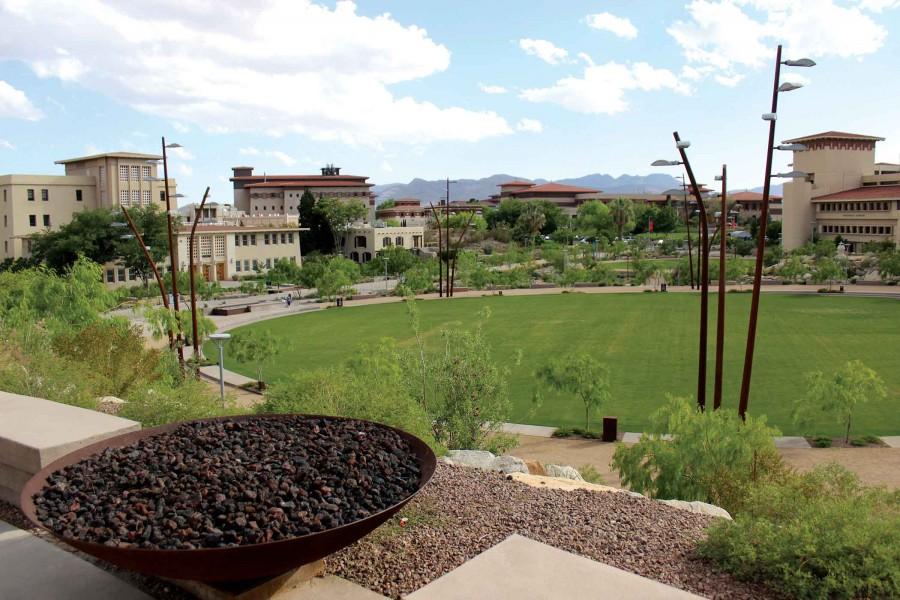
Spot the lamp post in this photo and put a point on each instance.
(771, 117)
(173, 266)
(196, 337)
(720, 314)
(220, 339)
(684, 209)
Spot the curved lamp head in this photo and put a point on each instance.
(792, 147)
(800, 62)
(665, 163)
(682, 144)
(174, 145)
(220, 337)
(791, 175)
(787, 86)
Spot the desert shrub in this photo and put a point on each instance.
(590, 474)
(712, 455)
(816, 535)
(168, 402)
(822, 442)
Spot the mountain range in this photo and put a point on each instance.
(464, 189)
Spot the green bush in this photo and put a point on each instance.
(816, 535)
(822, 442)
(590, 474)
(712, 455)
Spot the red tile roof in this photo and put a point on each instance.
(516, 182)
(869, 192)
(751, 196)
(304, 183)
(840, 135)
(549, 188)
(295, 177)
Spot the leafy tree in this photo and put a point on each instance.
(257, 347)
(594, 220)
(711, 456)
(90, 233)
(735, 270)
(773, 233)
(284, 271)
(530, 222)
(889, 265)
(151, 223)
(340, 216)
(794, 268)
(839, 393)
(389, 203)
(399, 260)
(418, 279)
(622, 212)
(313, 267)
(507, 213)
(828, 269)
(333, 283)
(582, 376)
(318, 238)
(554, 218)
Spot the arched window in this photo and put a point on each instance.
(385, 242)
(354, 256)
(367, 256)
(399, 241)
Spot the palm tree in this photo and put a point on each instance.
(622, 211)
(532, 220)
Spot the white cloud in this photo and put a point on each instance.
(601, 89)
(529, 125)
(285, 158)
(6, 145)
(546, 51)
(731, 36)
(619, 26)
(224, 67)
(180, 153)
(492, 89)
(15, 104)
(729, 80)
(249, 151)
(180, 127)
(879, 5)
(184, 169)
(386, 167)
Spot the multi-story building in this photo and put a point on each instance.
(567, 197)
(845, 192)
(407, 211)
(362, 243)
(749, 204)
(32, 204)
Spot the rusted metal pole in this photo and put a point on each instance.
(194, 334)
(437, 222)
(703, 256)
(720, 315)
(173, 265)
(760, 250)
(162, 287)
(447, 239)
(687, 224)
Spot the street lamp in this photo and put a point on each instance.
(220, 339)
(173, 265)
(772, 118)
(720, 315)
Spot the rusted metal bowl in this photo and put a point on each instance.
(239, 563)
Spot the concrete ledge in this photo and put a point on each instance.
(35, 432)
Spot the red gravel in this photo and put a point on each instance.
(465, 511)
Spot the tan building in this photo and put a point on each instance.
(32, 204)
(845, 193)
(749, 204)
(408, 211)
(362, 243)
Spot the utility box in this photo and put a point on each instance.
(610, 429)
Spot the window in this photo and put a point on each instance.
(245, 239)
(46, 220)
(399, 241)
(255, 264)
(31, 195)
(123, 197)
(136, 197)
(237, 266)
(145, 197)
(6, 246)
(110, 276)
(136, 173)
(78, 196)
(4, 221)
(246, 265)
(102, 174)
(32, 220)
(162, 195)
(123, 173)
(284, 238)
(237, 242)
(253, 239)
(290, 238)
(145, 171)
(266, 239)
(132, 275)
(385, 242)
(359, 241)
(120, 273)
(4, 195)
(45, 195)
(268, 263)
(293, 259)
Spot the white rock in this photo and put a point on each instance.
(564, 471)
(482, 459)
(698, 507)
(508, 464)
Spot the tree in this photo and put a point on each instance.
(794, 268)
(582, 376)
(256, 347)
(530, 222)
(889, 265)
(90, 234)
(506, 214)
(828, 269)
(594, 220)
(839, 392)
(773, 233)
(399, 259)
(389, 203)
(152, 225)
(622, 212)
(318, 238)
(284, 271)
(340, 216)
(336, 277)
(554, 218)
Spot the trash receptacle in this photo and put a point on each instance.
(662, 287)
(339, 301)
(610, 429)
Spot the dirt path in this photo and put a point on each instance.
(874, 466)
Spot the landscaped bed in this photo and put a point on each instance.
(465, 511)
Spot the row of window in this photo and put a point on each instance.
(32, 220)
(253, 265)
(45, 195)
(359, 241)
(870, 229)
(137, 197)
(249, 239)
(135, 173)
(274, 208)
(855, 206)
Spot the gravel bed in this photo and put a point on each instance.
(229, 483)
(465, 511)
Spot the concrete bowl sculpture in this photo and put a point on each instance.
(234, 563)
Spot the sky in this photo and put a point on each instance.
(402, 89)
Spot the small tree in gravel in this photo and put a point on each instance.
(257, 347)
(838, 393)
(580, 375)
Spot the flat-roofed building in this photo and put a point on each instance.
(407, 211)
(362, 243)
(845, 192)
(33, 204)
(749, 204)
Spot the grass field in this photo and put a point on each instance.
(649, 342)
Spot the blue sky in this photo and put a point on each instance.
(402, 89)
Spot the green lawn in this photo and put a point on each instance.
(649, 342)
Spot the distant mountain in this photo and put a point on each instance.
(777, 189)
(463, 189)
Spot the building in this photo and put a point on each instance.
(567, 197)
(749, 204)
(845, 192)
(280, 194)
(362, 243)
(32, 204)
(407, 211)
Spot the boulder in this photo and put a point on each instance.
(482, 459)
(563, 471)
(698, 507)
(535, 467)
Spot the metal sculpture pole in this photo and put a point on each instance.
(447, 239)
(704, 276)
(173, 265)
(687, 225)
(194, 334)
(720, 315)
(437, 221)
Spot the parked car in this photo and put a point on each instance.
(743, 235)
